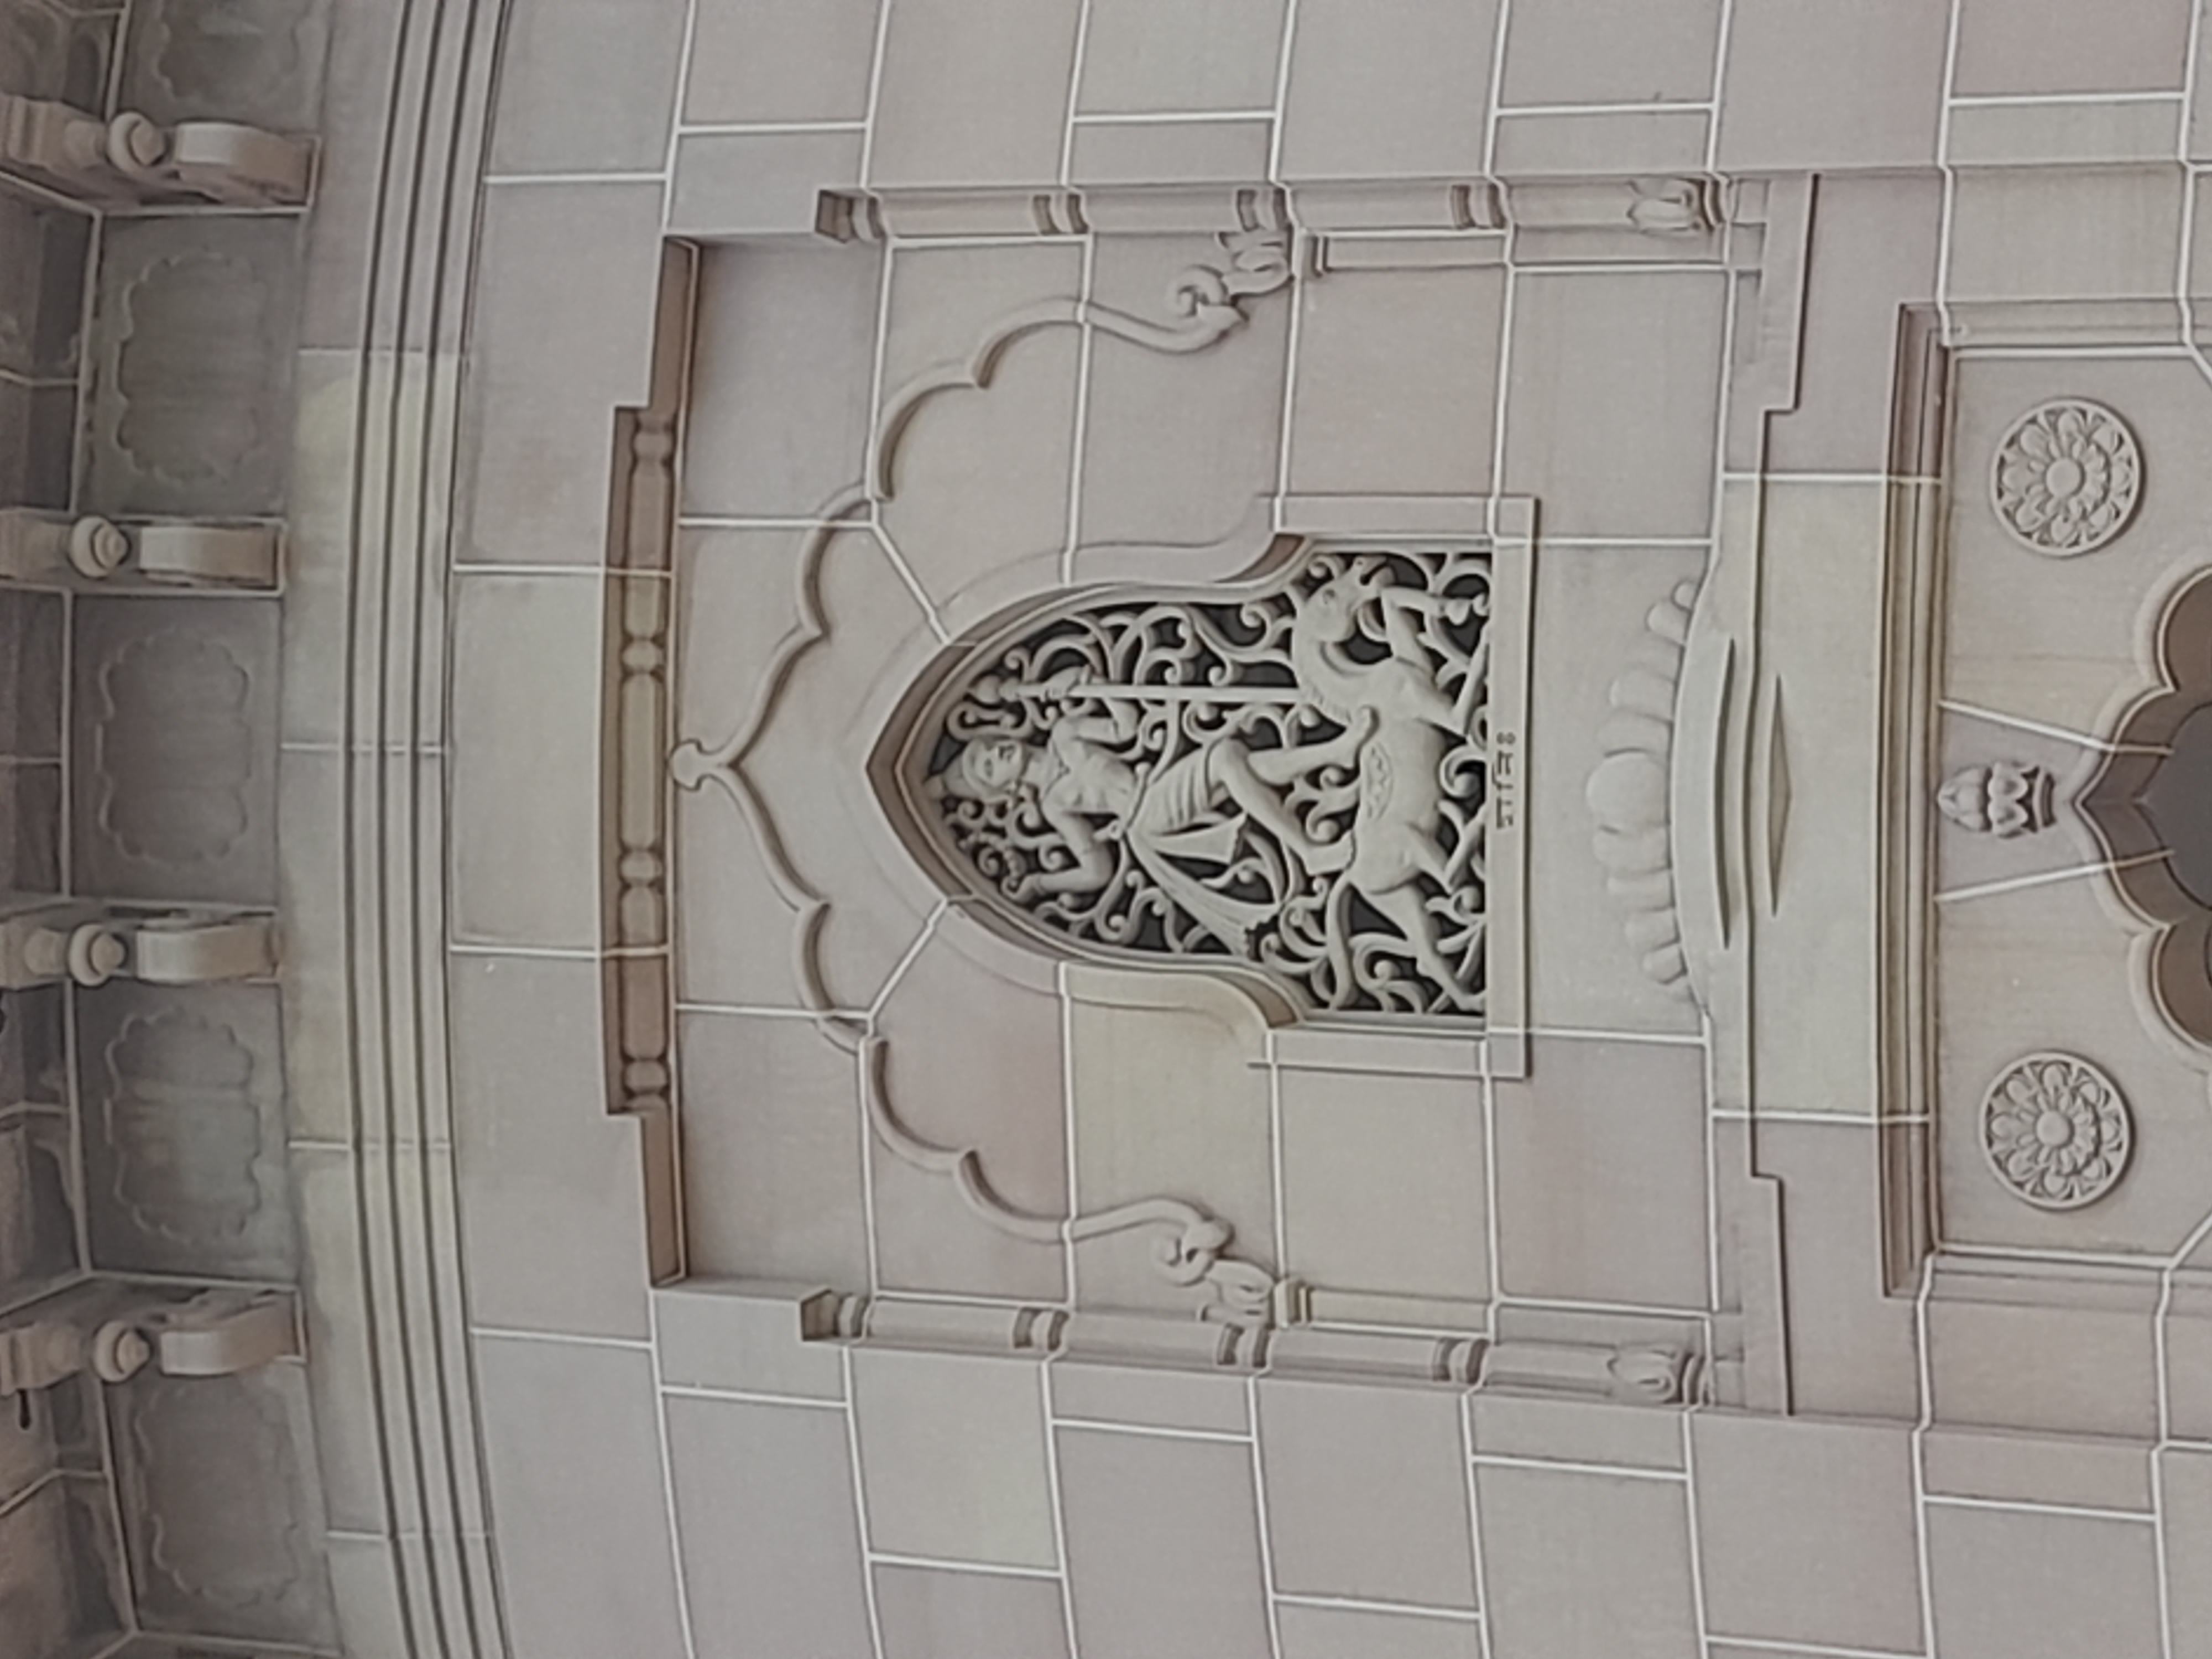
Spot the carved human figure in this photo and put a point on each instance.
(1078, 775)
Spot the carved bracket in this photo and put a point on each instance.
(114, 1332)
(130, 157)
(45, 547)
(89, 946)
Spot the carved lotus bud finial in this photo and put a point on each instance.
(2066, 478)
(2056, 1131)
(2003, 799)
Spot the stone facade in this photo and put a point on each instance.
(1099, 829)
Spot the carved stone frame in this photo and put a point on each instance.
(1502, 526)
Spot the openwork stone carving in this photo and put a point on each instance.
(1192, 1247)
(2056, 1131)
(2003, 799)
(1296, 779)
(2066, 478)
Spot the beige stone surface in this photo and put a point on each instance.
(726, 1212)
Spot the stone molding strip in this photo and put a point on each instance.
(395, 1300)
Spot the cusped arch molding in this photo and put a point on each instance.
(2150, 806)
(1292, 778)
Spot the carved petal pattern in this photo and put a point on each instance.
(175, 752)
(2056, 1131)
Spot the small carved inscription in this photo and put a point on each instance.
(2066, 478)
(1505, 782)
(1298, 778)
(2056, 1131)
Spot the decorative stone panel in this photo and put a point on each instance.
(222, 1508)
(54, 49)
(193, 333)
(175, 718)
(61, 1584)
(182, 1096)
(37, 1204)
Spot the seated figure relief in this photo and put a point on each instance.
(1296, 779)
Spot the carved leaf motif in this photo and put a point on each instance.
(186, 1133)
(1295, 779)
(175, 751)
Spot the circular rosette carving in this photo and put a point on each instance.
(2056, 1131)
(2066, 478)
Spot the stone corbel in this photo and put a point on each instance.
(89, 946)
(130, 157)
(48, 547)
(114, 1333)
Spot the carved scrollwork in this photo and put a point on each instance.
(2056, 1131)
(1295, 780)
(2137, 805)
(177, 1111)
(174, 750)
(2066, 478)
(1207, 302)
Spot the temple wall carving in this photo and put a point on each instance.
(874, 828)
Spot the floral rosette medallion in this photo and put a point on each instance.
(2066, 478)
(2056, 1131)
